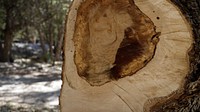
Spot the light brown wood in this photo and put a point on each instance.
(160, 77)
(112, 39)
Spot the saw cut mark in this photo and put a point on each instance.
(113, 39)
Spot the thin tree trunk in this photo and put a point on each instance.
(51, 49)
(8, 38)
(59, 46)
(130, 56)
(42, 44)
(50, 37)
(7, 46)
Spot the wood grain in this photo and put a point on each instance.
(161, 77)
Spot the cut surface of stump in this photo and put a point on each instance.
(112, 39)
(106, 40)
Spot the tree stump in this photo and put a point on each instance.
(125, 56)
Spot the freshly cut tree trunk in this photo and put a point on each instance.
(124, 55)
(188, 99)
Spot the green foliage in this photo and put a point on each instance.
(28, 19)
(40, 14)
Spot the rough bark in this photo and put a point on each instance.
(114, 61)
(188, 100)
(8, 38)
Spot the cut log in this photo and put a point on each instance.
(123, 55)
(188, 100)
(112, 39)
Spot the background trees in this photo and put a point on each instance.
(30, 21)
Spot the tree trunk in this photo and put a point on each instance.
(8, 38)
(51, 54)
(7, 46)
(42, 42)
(131, 56)
(188, 99)
(59, 45)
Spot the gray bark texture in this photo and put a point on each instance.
(189, 99)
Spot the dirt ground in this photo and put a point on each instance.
(29, 87)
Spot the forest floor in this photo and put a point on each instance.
(29, 87)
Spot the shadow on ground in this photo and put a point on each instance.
(10, 108)
(27, 79)
(27, 87)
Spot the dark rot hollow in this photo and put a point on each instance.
(113, 39)
(124, 56)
